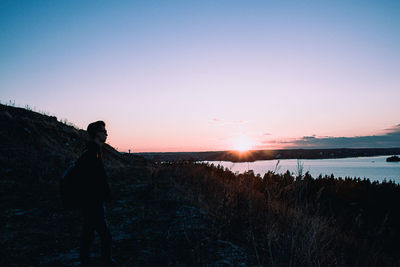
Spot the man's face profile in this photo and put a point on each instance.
(102, 134)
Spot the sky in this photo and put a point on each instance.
(209, 75)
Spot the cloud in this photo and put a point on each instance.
(309, 137)
(393, 130)
(391, 138)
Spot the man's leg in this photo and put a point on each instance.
(87, 238)
(101, 227)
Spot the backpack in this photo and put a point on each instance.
(70, 187)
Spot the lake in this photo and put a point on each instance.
(374, 168)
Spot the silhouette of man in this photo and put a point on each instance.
(95, 191)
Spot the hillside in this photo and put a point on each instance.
(152, 220)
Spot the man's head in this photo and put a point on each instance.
(97, 132)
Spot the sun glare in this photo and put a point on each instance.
(242, 143)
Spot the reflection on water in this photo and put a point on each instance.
(374, 168)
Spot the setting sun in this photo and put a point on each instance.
(242, 143)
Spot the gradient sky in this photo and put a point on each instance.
(199, 75)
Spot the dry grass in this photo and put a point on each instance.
(282, 220)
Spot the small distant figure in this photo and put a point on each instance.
(96, 191)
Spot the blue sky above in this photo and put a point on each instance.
(165, 73)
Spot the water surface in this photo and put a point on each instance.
(374, 168)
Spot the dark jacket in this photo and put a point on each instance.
(94, 181)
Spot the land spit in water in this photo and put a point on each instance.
(393, 159)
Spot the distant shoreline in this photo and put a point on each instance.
(255, 155)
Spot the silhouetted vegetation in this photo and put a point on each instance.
(285, 220)
(185, 213)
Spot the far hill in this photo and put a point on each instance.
(253, 155)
